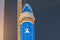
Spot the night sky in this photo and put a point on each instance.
(47, 19)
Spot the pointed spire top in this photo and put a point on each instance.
(27, 8)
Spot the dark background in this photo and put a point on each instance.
(47, 19)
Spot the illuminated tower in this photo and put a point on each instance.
(26, 27)
(19, 8)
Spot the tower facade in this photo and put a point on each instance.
(26, 23)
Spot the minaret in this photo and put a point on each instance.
(1, 19)
(19, 9)
(26, 23)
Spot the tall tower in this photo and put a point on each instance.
(26, 22)
(1, 18)
(19, 9)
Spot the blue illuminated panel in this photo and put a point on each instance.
(27, 31)
(27, 8)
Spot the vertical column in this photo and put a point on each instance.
(1, 18)
(19, 8)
